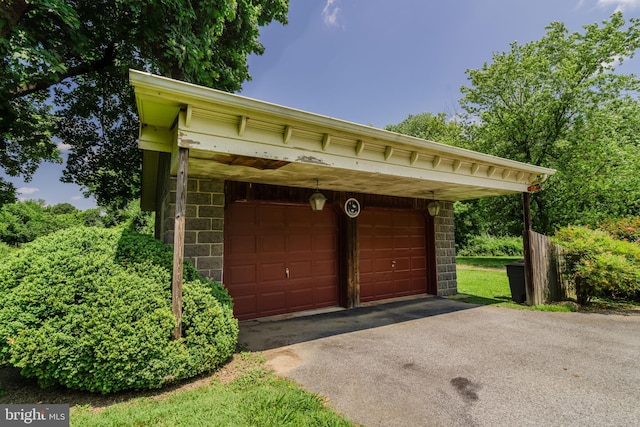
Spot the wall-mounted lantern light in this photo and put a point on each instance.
(433, 207)
(317, 199)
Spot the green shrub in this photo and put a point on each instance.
(623, 228)
(23, 222)
(4, 249)
(599, 265)
(486, 245)
(90, 309)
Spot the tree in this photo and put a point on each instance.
(431, 127)
(23, 222)
(64, 66)
(545, 101)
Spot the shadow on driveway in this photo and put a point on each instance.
(260, 335)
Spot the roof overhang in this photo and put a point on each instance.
(237, 138)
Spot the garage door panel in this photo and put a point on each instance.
(270, 244)
(300, 269)
(244, 216)
(299, 243)
(392, 253)
(324, 268)
(242, 245)
(417, 242)
(245, 303)
(324, 295)
(242, 274)
(272, 239)
(383, 264)
(402, 242)
(419, 263)
(272, 271)
(271, 215)
(300, 299)
(402, 264)
(325, 241)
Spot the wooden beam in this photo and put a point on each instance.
(414, 157)
(436, 162)
(528, 255)
(353, 263)
(456, 165)
(388, 152)
(155, 139)
(474, 168)
(178, 239)
(326, 141)
(287, 134)
(491, 171)
(359, 147)
(242, 125)
(432, 261)
(506, 173)
(187, 119)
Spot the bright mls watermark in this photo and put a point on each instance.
(34, 415)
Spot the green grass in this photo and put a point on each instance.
(483, 280)
(254, 398)
(486, 261)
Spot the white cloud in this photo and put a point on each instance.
(27, 190)
(620, 4)
(74, 198)
(64, 147)
(330, 13)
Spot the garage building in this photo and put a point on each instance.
(295, 211)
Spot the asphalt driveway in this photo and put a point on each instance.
(438, 362)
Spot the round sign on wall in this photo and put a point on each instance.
(352, 208)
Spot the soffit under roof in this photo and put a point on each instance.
(242, 139)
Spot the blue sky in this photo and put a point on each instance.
(375, 62)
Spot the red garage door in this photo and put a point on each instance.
(279, 258)
(393, 260)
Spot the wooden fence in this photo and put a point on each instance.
(543, 265)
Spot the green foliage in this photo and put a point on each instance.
(488, 286)
(255, 398)
(623, 228)
(599, 265)
(90, 309)
(558, 102)
(486, 245)
(23, 222)
(81, 52)
(499, 262)
(131, 217)
(4, 249)
(431, 127)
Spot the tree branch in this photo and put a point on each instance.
(98, 65)
(12, 12)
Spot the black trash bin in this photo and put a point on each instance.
(515, 271)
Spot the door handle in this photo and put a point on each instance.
(393, 264)
(286, 272)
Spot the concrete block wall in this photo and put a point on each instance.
(446, 250)
(204, 235)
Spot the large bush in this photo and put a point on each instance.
(623, 228)
(598, 264)
(486, 245)
(90, 309)
(22, 222)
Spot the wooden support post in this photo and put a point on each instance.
(432, 264)
(528, 255)
(353, 263)
(178, 239)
